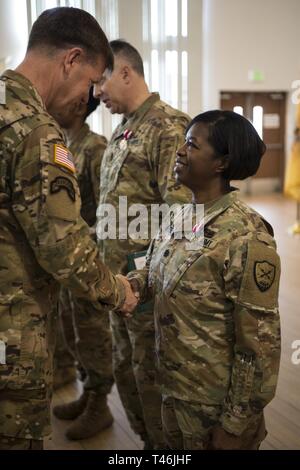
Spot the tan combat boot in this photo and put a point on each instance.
(73, 409)
(95, 418)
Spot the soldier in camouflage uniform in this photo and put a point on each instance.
(138, 163)
(216, 297)
(43, 240)
(92, 348)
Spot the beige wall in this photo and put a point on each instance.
(240, 35)
(227, 38)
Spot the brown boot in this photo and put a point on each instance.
(73, 409)
(95, 418)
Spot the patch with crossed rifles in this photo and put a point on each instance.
(264, 275)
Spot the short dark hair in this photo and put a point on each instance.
(234, 137)
(130, 53)
(92, 103)
(62, 27)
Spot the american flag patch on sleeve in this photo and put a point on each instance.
(63, 157)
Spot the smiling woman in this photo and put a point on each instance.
(216, 302)
(220, 146)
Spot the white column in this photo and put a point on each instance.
(13, 32)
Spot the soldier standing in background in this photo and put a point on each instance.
(87, 335)
(138, 163)
(43, 240)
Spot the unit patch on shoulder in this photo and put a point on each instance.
(261, 274)
(63, 157)
(60, 183)
(264, 275)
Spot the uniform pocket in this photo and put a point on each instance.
(27, 357)
(10, 340)
(62, 197)
(110, 170)
(242, 379)
(172, 277)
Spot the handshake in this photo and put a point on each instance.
(132, 296)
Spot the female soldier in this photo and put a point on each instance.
(216, 301)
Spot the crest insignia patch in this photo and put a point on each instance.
(264, 275)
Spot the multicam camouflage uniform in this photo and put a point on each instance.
(43, 242)
(140, 168)
(92, 348)
(217, 325)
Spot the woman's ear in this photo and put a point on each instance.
(223, 163)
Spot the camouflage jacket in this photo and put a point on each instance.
(216, 312)
(87, 150)
(138, 163)
(43, 242)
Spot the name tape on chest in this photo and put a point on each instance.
(63, 157)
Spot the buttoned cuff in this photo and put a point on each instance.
(140, 279)
(234, 420)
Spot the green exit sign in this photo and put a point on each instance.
(256, 76)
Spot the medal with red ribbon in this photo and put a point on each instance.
(197, 228)
(127, 134)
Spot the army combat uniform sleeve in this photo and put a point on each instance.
(141, 277)
(95, 165)
(164, 153)
(46, 203)
(252, 271)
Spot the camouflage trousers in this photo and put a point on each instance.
(189, 426)
(14, 443)
(134, 372)
(87, 340)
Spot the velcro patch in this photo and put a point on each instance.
(264, 274)
(260, 283)
(63, 157)
(61, 182)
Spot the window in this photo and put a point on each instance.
(107, 10)
(258, 120)
(166, 51)
(239, 110)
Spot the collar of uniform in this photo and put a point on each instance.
(144, 107)
(25, 84)
(129, 122)
(213, 209)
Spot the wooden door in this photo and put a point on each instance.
(266, 110)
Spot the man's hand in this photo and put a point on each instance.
(132, 298)
(223, 440)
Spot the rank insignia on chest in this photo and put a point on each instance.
(63, 157)
(264, 275)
